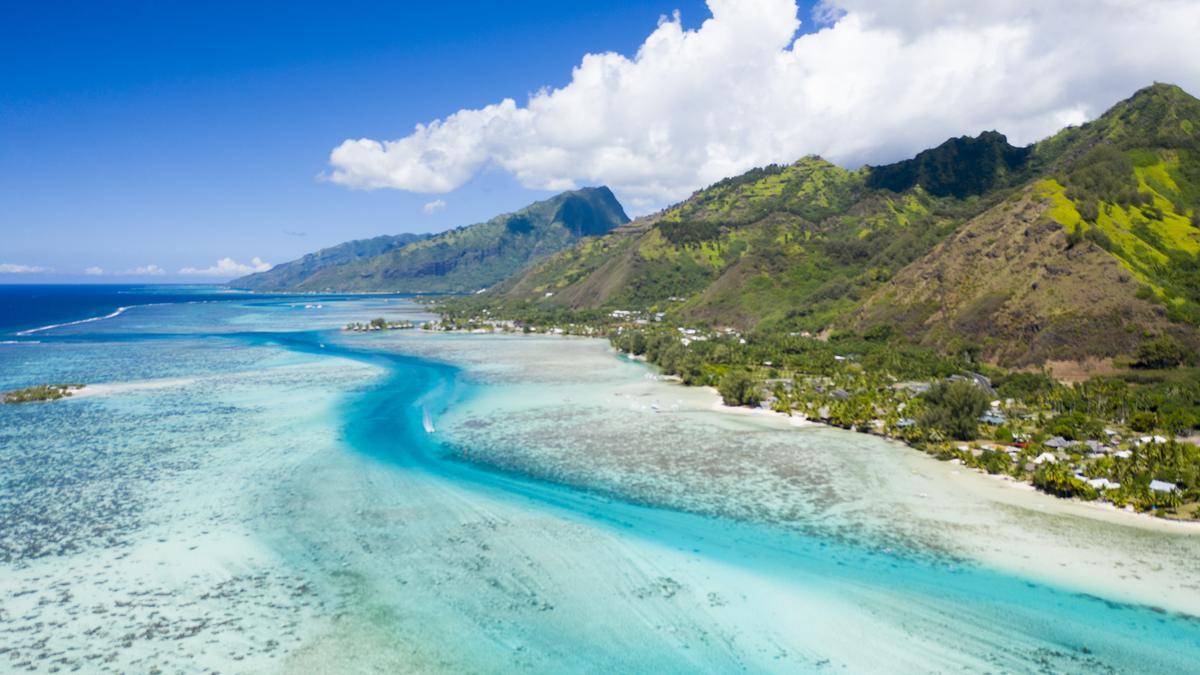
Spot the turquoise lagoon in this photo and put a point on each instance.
(247, 489)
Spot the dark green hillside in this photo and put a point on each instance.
(960, 167)
(466, 258)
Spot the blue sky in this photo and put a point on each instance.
(161, 137)
(174, 134)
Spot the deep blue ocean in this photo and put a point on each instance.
(24, 307)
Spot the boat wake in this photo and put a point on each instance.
(31, 331)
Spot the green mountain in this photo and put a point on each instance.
(791, 247)
(1087, 259)
(292, 274)
(960, 167)
(1082, 245)
(460, 260)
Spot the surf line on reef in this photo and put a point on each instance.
(387, 421)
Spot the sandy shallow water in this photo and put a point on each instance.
(266, 497)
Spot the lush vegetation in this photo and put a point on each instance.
(1104, 174)
(792, 247)
(738, 388)
(952, 409)
(378, 323)
(960, 167)
(1161, 352)
(40, 392)
(1135, 193)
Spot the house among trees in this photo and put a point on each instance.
(1103, 484)
(1162, 486)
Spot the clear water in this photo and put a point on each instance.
(256, 491)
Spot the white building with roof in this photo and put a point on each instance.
(1163, 486)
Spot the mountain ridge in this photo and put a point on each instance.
(463, 259)
(291, 273)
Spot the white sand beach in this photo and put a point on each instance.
(107, 389)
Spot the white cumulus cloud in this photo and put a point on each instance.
(93, 271)
(879, 81)
(143, 271)
(12, 268)
(434, 206)
(228, 267)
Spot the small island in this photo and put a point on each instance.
(40, 392)
(378, 323)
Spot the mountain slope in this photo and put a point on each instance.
(1085, 262)
(784, 246)
(464, 259)
(1008, 284)
(960, 167)
(1082, 245)
(292, 274)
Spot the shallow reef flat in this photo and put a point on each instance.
(129, 520)
(291, 498)
(448, 575)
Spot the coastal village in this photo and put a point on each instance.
(1094, 440)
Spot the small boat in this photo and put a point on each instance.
(427, 422)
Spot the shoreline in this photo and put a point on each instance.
(798, 421)
(412, 294)
(1098, 510)
(1104, 511)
